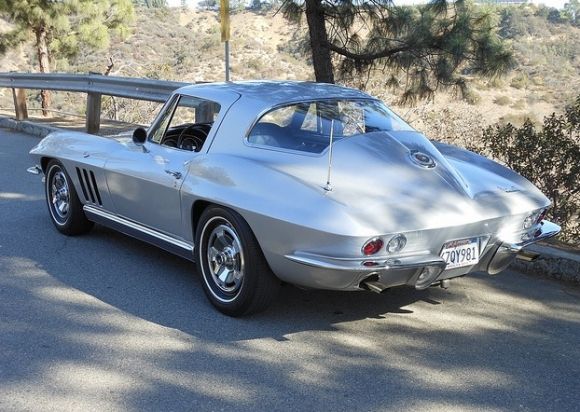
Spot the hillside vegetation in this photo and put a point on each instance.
(185, 45)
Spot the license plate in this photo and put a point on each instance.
(459, 253)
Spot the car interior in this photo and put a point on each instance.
(286, 137)
(299, 129)
(188, 136)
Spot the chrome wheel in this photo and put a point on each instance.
(59, 196)
(235, 275)
(64, 206)
(225, 259)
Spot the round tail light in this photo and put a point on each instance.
(396, 244)
(372, 246)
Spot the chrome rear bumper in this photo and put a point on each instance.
(545, 231)
(352, 273)
(507, 252)
(378, 274)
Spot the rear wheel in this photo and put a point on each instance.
(66, 210)
(236, 277)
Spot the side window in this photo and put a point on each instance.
(302, 127)
(307, 126)
(186, 123)
(352, 118)
(310, 122)
(183, 114)
(280, 117)
(157, 133)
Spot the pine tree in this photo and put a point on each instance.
(572, 11)
(60, 28)
(429, 46)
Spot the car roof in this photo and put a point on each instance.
(271, 93)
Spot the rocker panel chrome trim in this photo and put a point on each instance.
(138, 231)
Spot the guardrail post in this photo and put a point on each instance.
(93, 123)
(20, 104)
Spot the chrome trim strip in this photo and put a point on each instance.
(331, 263)
(134, 229)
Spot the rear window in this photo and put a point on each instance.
(307, 126)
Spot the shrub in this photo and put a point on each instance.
(549, 157)
(502, 100)
(472, 97)
(255, 63)
(520, 81)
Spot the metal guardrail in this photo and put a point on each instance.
(94, 85)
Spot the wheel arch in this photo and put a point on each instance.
(198, 207)
(44, 161)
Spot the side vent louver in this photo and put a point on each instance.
(82, 184)
(89, 186)
(96, 188)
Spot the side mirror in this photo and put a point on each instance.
(139, 135)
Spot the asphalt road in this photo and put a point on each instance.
(105, 322)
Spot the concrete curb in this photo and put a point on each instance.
(553, 262)
(24, 126)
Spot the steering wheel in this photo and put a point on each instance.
(190, 139)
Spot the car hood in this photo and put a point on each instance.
(375, 177)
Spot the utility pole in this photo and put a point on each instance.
(225, 26)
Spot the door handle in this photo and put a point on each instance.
(176, 175)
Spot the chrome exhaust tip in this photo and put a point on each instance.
(527, 256)
(372, 284)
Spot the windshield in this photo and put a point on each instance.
(306, 126)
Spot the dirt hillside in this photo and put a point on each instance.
(185, 45)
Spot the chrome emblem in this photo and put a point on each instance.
(422, 159)
(508, 189)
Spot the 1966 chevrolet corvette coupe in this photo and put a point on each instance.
(313, 184)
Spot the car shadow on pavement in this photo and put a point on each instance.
(157, 286)
(86, 312)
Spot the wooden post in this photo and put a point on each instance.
(227, 52)
(20, 104)
(93, 123)
(204, 112)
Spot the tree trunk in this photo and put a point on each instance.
(323, 70)
(44, 65)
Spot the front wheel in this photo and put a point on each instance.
(66, 210)
(236, 277)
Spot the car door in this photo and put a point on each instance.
(145, 180)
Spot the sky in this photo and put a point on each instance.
(550, 3)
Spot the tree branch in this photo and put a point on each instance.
(361, 57)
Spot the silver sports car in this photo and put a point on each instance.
(313, 184)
